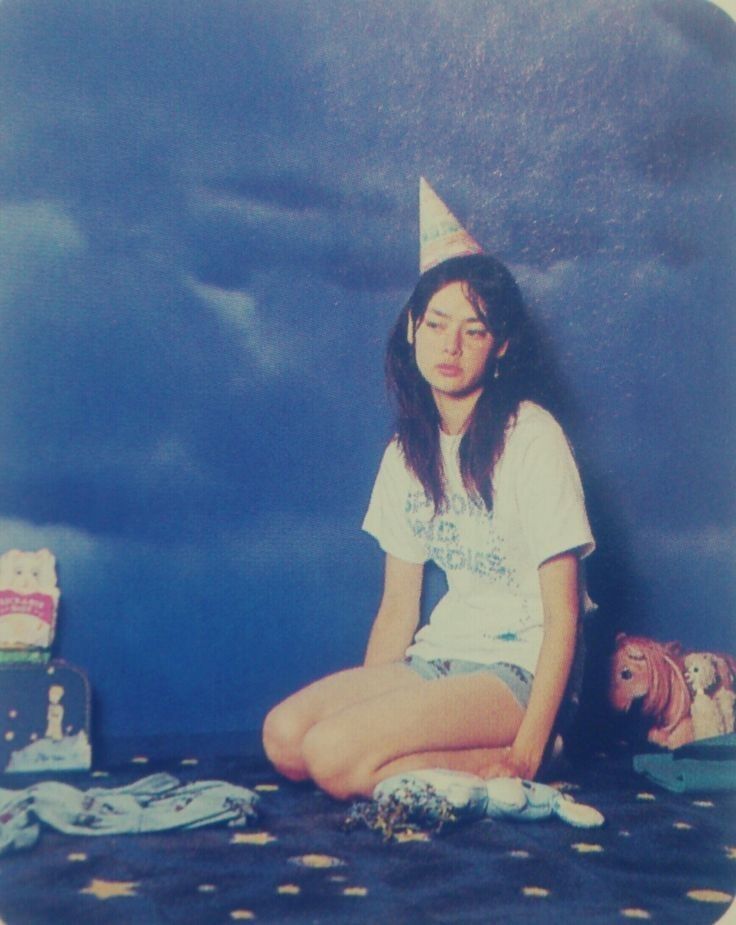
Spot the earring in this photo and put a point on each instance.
(496, 371)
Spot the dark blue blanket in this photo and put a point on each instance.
(662, 857)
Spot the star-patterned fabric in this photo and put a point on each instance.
(661, 857)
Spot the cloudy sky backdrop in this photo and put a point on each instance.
(208, 221)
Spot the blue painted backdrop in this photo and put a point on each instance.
(207, 224)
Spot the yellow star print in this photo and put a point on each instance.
(709, 896)
(317, 861)
(401, 837)
(252, 838)
(110, 889)
(584, 848)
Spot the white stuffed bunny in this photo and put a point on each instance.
(438, 796)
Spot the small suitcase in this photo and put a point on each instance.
(44, 718)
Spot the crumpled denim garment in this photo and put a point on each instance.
(153, 804)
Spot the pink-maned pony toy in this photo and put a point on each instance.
(650, 672)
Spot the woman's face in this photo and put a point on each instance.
(452, 344)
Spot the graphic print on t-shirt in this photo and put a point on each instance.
(460, 516)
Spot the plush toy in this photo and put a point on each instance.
(433, 798)
(27, 572)
(28, 599)
(650, 673)
(725, 694)
(711, 680)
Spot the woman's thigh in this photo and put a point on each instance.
(288, 722)
(346, 750)
(335, 692)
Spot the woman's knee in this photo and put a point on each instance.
(283, 732)
(334, 763)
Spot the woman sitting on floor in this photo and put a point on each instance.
(480, 479)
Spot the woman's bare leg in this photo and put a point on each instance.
(288, 723)
(457, 722)
(482, 762)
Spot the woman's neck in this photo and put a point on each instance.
(455, 411)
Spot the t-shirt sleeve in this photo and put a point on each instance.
(550, 495)
(386, 519)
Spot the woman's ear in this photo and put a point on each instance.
(502, 350)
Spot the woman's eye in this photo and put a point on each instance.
(477, 332)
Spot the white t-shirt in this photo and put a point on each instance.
(492, 610)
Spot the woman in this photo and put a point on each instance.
(481, 480)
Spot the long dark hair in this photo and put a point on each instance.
(523, 373)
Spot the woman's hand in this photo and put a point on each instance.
(510, 762)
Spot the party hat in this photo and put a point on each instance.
(441, 235)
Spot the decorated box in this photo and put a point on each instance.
(44, 718)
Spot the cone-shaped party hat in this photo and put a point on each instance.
(441, 235)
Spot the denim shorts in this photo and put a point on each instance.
(517, 679)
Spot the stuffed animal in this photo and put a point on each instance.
(711, 680)
(725, 694)
(27, 572)
(28, 599)
(650, 673)
(435, 797)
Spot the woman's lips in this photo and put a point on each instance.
(447, 369)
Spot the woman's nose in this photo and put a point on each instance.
(452, 344)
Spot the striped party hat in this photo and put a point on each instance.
(441, 235)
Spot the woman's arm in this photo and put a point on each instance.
(558, 578)
(398, 615)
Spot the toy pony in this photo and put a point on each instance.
(650, 673)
